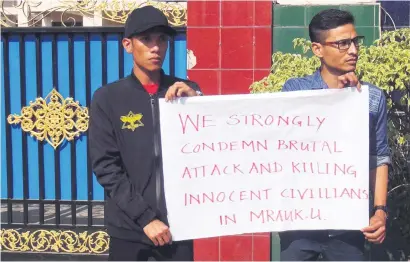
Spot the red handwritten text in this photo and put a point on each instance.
(231, 169)
(225, 220)
(269, 215)
(263, 168)
(323, 168)
(220, 197)
(213, 170)
(313, 146)
(325, 193)
(270, 120)
(200, 121)
(251, 145)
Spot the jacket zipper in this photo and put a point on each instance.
(156, 150)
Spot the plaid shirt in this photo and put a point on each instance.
(379, 149)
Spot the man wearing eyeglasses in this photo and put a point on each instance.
(335, 41)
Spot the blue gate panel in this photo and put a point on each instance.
(47, 80)
(63, 86)
(166, 64)
(58, 66)
(15, 104)
(96, 82)
(3, 129)
(112, 55)
(180, 61)
(80, 96)
(128, 63)
(31, 95)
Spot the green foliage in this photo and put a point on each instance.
(385, 64)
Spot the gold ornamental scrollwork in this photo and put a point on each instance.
(53, 119)
(54, 241)
(111, 10)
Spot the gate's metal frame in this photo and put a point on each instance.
(88, 238)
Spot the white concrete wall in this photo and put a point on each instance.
(58, 6)
(323, 2)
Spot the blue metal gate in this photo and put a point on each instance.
(43, 187)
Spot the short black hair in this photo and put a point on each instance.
(326, 20)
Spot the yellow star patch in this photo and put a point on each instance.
(131, 121)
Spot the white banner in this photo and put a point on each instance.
(268, 162)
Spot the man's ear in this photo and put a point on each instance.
(127, 44)
(317, 49)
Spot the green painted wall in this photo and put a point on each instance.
(290, 22)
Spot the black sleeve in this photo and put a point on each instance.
(107, 164)
(194, 86)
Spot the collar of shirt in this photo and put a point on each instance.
(150, 88)
(318, 81)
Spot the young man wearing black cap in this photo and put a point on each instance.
(125, 144)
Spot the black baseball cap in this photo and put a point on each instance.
(145, 18)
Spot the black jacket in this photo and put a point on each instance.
(125, 150)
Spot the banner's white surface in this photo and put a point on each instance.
(268, 162)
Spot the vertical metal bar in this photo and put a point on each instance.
(272, 26)
(121, 56)
(172, 56)
(104, 67)
(7, 99)
(40, 145)
(104, 58)
(73, 143)
(88, 98)
(56, 152)
(22, 54)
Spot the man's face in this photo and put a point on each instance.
(148, 49)
(337, 51)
